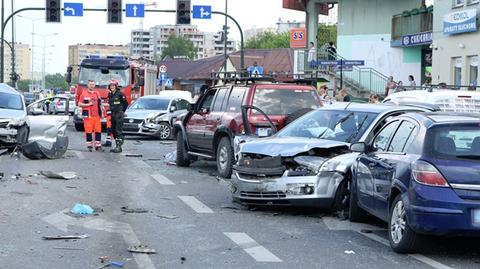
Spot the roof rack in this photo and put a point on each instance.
(239, 77)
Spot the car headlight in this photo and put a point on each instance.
(331, 165)
(161, 118)
(17, 122)
(300, 188)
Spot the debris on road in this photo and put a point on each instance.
(35, 151)
(183, 182)
(183, 259)
(81, 209)
(65, 237)
(126, 209)
(170, 158)
(61, 175)
(141, 249)
(67, 248)
(349, 252)
(138, 142)
(113, 264)
(134, 155)
(167, 217)
(104, 259)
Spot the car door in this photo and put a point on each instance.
(181, 108)
(45, 127)
(391, 163)
(369, 167)
(195, 127)
(214, 118)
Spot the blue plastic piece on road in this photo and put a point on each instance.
(117, 264)
(81, 209)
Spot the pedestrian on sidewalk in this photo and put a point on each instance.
(332, 51)
(91, 105)
(312, 56)
(390, 87)
(411, 82)
(373, 99)
(118, 106)
(343, 96)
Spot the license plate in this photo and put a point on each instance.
(263, 131)
(476, 216)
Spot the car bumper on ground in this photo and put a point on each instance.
(306, 191)
(440, 211)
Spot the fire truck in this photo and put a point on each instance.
(136, 77)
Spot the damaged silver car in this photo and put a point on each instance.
(308, 162)
(14, 123)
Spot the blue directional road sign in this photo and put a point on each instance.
(202, 12)
(168, 83)
(163, 76)
(135, 10)
(73, 9)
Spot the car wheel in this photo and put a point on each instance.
(79, 127)
(225, 158)
(164, 131)
(355, 213)
(342, 198)
(182, 159)
(402, 238)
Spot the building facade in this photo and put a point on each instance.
(374, 30)
(456, 40)
(22, 61)
(141, 44)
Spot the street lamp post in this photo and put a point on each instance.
(43, 58)
(33, 42)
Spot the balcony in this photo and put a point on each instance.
(417, 20)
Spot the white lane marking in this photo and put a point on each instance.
(255, 250)
(429, 261)
(163, 180)
(60, 220)
(195, 204)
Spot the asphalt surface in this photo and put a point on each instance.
(191, 221)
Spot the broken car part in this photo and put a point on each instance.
(141, 249)
(61, 175)
(65, 237)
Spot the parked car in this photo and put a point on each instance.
(152, 115)
(208, 129)
(58, 104)
(420, 173)
(446, 100)
(14, 123)
(308, 162)
(29, 98)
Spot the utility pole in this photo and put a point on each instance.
(14, 74)
(225, 35)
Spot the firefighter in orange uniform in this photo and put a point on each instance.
(91, 105)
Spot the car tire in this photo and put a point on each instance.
(79, 127)
(342, 199)
(165, 131)
(355, 213)
(225, 158)
(296, 114)
(182, 159)
(402, 238)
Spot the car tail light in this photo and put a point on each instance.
(59, 103)
(425, 173)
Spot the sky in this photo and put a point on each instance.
(93, 27)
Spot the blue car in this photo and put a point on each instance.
(420, 173)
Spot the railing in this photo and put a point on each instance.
(361, 78)
(411, 22)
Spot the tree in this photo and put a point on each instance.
(269, 40)
(179, 47)
(326, 33)
(24, 85)
(56, 81)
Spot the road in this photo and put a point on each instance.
(191, 221)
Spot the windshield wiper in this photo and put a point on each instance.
(471, 157)
(358, 130)
(341, 120)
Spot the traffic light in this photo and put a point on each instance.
(183, 11)
(53, 9)
(114, 11)
(14, 77)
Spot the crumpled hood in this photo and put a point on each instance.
(11, 113)
(141, 114)
(288, 146)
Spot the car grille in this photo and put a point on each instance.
(137, 121)
(266, 195)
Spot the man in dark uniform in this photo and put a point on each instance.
(118, 105)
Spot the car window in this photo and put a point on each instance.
(182, 104)
(284, 101)
(403, 137)
(174, 104)
(218, 104)
(455, 141)
(11, 101)
(235, 99)
(380, 142)
(207, 100)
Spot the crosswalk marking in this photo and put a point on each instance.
(255, 250)
(195, 204)
(163, 180)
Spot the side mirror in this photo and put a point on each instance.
(358, 147)
(173, 109)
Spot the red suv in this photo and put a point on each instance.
(208, 129)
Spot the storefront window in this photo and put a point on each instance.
(457, 73)
(474, 70)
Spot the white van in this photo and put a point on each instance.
(186, 95)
